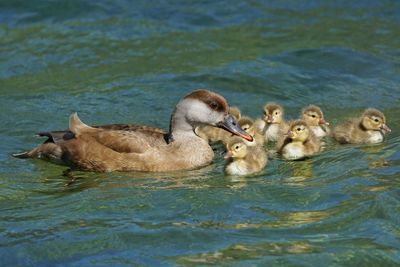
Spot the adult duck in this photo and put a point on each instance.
(141, 148)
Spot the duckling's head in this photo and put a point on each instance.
(247, 124)
(235, 112)
(205, 107)
(373, 119)
(236, 149)
(273, 113)
(299, 131)
(313, 116)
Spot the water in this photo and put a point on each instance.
(130, 62)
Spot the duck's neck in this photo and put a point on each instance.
(180, 126)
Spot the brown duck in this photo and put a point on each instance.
(141, 148)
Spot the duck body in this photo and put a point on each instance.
(370, 128)
(244, 159)
(314, 118)
(299, 143)
(141, 148)
(272, 124)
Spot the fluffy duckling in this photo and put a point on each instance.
(300, 142)
(214, 134)
(248, 125)
(368, 129)
(314, 118)
(243, 159)
(272, 124)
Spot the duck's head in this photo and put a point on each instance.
(247, 124)
(272, 113)
(236, 149)
(299, 131)
(373, 119)
(203, 107)
(313, 116)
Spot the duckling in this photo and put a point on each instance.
(243, 159)
(141, 148)
(214, 134)
(300, 142)
(247, 124)
(272, 124)
(367, 129)
(314, 118)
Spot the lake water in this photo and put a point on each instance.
(130, 62)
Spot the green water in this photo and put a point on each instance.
(130, 62)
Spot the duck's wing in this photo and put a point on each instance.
(123, 138)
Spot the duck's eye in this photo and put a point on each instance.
(213, 105)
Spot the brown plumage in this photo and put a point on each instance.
(141, 148)
(299, 142)
(367, 129)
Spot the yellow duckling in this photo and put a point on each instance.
(272, 125)
(243, 159)
(368, 129)
(247, 124)
(314, 118)
(214, 134)
(300, 142)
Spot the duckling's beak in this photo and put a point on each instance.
(385, 128)
(229, 124)
(228, 155)
(323, 122)
(270, 119)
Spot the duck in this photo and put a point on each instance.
(243, 159)
(369, 128)
(299, 142)
(213, 134)
(272, 123)
(247, 124)
(314, 118)
(141, 148)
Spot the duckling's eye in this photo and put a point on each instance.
(276, 113)
(265, 113)
(376, 120)
(313, 116)
(298, 129)
(237, 147)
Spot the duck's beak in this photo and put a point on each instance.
(385, 128)
(229, 124)
(228, 155)
(270, 119)
(323, 122)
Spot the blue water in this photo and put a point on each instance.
(130, 62)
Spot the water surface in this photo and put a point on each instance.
(130, 62)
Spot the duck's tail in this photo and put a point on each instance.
(77, 126)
